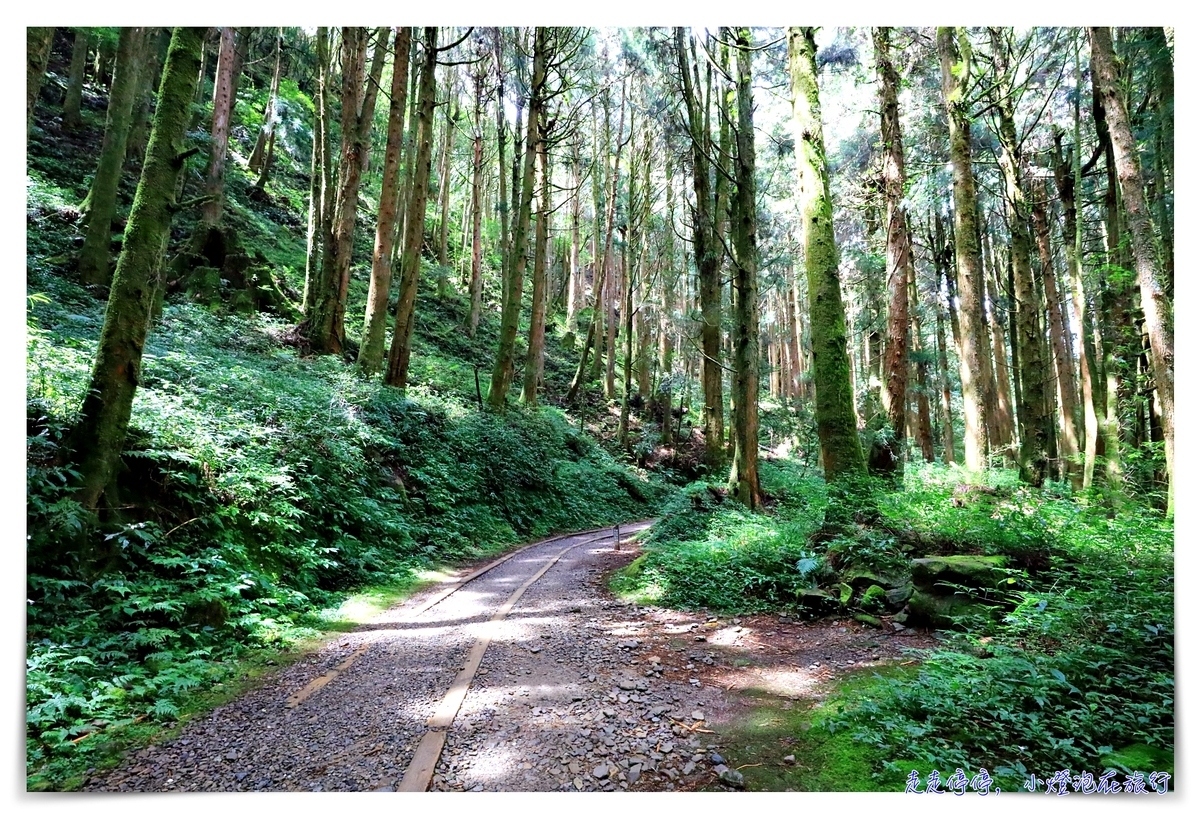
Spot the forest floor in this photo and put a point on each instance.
(576, 691)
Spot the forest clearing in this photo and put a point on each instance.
(600, 409)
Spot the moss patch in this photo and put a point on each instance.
(771, 728)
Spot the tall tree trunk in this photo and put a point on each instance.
(1002, 435)
(223, 102)
(841, 450)
(1032, 412)
(444, 166)
(326, 328)
(1154, 303)
(99, 435)
(414, 223)
(476, 286)
(266, 134)
(706, 249)
(955, 76)
(1066, 178)
(155, 48)
(320, 184)
(574, 275)
(743, 476)
(101, 203)
(666, 315)
(370, 352)
(535, 356)
(942, 257)
(899, 251)
(37, 53)
(72, 103)
(502, 370)
(1064, 366)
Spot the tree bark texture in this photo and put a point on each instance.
(1155, 305)
(104, 417)
(370, 352)
(955, 76)
(841, 450)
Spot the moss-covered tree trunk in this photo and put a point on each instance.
(370, 352)
(101, 203)
(73, 101)
(899, 251)
(706, 249)
(743, 221)
(104, 417)
(973, 356)
(502, 369)
(1155, 305)
(414, 224)
(37, 57)
(841, 451)
(154, 47)
(535, 355)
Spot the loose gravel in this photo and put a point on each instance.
(576, 692)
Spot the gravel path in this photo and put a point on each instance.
(360, 730)
(576, 691)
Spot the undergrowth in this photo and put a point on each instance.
(1079, 667)
(257, 487)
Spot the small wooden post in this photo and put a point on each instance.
(617, 547)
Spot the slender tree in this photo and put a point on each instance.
(101, 203)
(502, 369)
(370, 353)
(706, 249)
(743, 475)
(223, 102)
(73, 101)
(414, 224)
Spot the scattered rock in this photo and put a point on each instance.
(732, 778)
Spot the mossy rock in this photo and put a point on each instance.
(816, 600)
(1140, 758)
(898, 596)
(860, 578)
(944, 610)
(978, 573)
(867, 619)
(873, 598)
(845, 593)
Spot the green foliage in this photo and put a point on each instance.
(711, 552)
(1084, 663)
(257, 487)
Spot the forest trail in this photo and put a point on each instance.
(575, 690)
